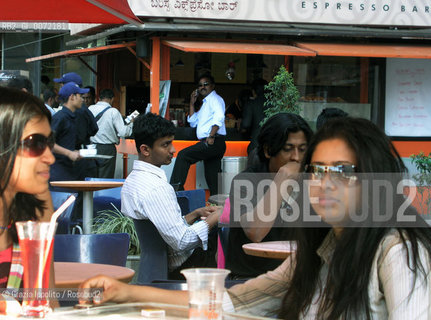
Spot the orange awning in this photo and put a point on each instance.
(82, 52)
(73, 11)
(237, 47)
(368, 50)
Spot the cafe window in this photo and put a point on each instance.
(348, 83)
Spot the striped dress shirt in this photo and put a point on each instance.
(390, 290)
(146, 194)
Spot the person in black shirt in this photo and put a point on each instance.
(86, 127)
(282, 142)
(64, 124)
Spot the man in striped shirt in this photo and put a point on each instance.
(146, 194)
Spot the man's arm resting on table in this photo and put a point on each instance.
(259, 296)
(161, 207)
(116, 291)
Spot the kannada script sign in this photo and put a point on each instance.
(351, 12)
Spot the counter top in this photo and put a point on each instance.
(187, 133)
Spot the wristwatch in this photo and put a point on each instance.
(211, 137)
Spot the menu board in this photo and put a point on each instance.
(408, 97)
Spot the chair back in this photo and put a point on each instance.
(102, 199)
(154, 252)
(110, 248)
(64, 221)
(190, 200)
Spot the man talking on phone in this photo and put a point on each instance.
(211, 132)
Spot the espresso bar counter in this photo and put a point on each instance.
(187, 133)
(127, 147)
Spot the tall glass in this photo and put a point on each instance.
(206, 290)
(34, 240)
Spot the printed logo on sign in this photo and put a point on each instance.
(362, 12)
(373, 199)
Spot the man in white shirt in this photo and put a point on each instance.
(210, 130)
(146, 194)
(111, 128)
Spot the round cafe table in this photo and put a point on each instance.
(72, 274)
(270, 249)
(87, 188)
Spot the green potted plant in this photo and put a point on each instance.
(113, 221)
(281, 95)
(422, 163)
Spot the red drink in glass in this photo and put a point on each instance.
(36, 260)
(32, 257)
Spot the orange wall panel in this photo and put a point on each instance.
(407, 148)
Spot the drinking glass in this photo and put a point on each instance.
(206, 289)
(36, 245)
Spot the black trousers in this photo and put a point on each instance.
(106, 167)
(210, 154)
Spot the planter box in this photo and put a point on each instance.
(133, 263)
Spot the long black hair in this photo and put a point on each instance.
(275, 132)
(17, 108)
(345, 294)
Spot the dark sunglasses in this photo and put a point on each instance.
(344, 173)
(205, 84)
(35, 144)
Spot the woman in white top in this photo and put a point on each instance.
(371, 264)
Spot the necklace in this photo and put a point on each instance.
(6, 227)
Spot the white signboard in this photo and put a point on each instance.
(350, 12)
(408, 97)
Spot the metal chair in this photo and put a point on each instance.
(154, 252)
(108, 248)
(65, 223)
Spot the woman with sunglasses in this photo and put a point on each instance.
(349, 268)
(25, 158)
